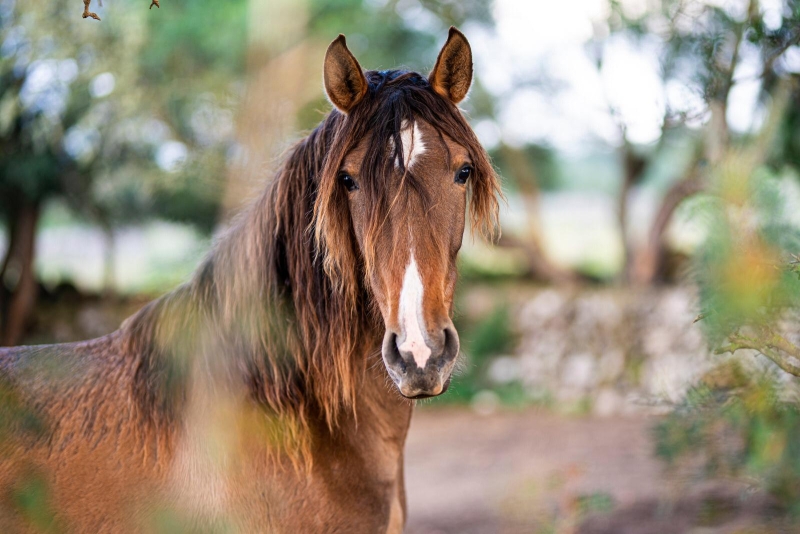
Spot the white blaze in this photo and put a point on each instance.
(413, 145)
(410, 315)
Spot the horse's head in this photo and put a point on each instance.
(392, 202)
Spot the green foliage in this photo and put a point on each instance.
(789, 148)
(391, 35)
(744, 274)
(481, 341)
(745, 424)
(701, 38)
(59, 127)
(15, 418)
(30, 495)
(594, 503)
(191, 39)
(491, 336)
(188, 203)
(739, 424)
(98, 148)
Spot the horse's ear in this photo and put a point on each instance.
(345, 83)
(452, 74)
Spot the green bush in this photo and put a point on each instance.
(741, 424)
(481, 340)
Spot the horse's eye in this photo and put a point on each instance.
(463, 174)
(348, 182)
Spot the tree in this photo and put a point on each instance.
(62, 112)
(129, 139)
(748, 271)
(701, 48)
(528, 169)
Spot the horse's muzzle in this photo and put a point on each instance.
(419, 380)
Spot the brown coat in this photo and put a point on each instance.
(78, 447)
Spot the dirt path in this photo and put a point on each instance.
(539, 472)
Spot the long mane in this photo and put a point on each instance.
(281, 296)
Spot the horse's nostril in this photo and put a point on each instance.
(391, 352)
(451, 344)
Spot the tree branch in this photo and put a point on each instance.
(86, 13)
(90, 15)
(645, 264)
(771, 345)
(778, 52)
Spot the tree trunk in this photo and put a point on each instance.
(12, 234)
(109, 260)
(5, 294)
(634, 167)
(19, 263)
(647, 264)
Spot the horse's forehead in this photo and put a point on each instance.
(422, 144)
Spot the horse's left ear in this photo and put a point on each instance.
(452, 74)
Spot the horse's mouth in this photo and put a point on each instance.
(430, 380)
(422, 396)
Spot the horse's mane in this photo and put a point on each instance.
(281, 295)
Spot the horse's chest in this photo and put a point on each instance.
(350, 489)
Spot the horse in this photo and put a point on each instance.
(274, 390)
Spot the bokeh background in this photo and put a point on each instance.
(650, 155)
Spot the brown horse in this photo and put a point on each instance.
(252, 398)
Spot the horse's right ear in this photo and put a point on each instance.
(345, 83)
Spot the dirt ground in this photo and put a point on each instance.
(534, 472)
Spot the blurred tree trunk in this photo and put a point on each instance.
(11, 237)
(647, 263)
(530, 243)
(109, 259)
(18, 272)
(633, 167)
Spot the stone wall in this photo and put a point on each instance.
(607, 350)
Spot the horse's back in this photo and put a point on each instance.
(72, 451)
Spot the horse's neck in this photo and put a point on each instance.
(379, 408)
(382, 400)
(376, 430)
